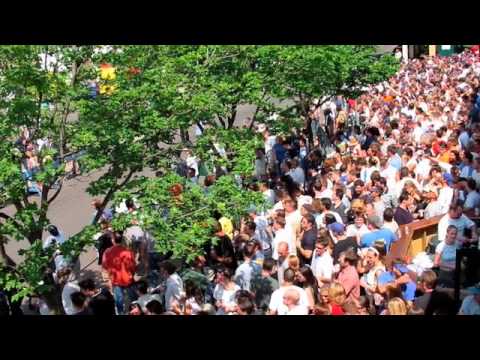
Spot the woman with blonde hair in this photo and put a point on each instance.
(336, 297)
(293, 262)
(397, 306)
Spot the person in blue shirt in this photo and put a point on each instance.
(398, 276)
(395, 160)
(377, 234)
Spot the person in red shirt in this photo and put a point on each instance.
(348, 275)
(119, 262)
(336, 299)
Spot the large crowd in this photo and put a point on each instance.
(407, 149)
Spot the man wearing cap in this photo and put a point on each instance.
(341, 240)
(471, 304)
(377, 234)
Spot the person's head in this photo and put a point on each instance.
(308, 222)
(293, 262)
(337, 229)
(336, 294)
(374, 222)
(404, 200)
(53, 230)
(471, 185)
(279, 223)
(249, 250)
(455, 211)
(348, 258)
(289, 205)
(289, 276)
(306, 209)
(97, 204)
(141, 287)
(329, 219)
(327, 203)
(87, 286)
(78, 300)
(305, 276)
(372, 256)
(338, 195)
(359, 221)
(250, 228)
(154, 307)
(399, 268)
(168, 268)
(428, 280)
(452, 232)
(324, 295)
(283, 249)
(117, 238)
(130, 204)
(322, 244)
(397, 306)
(268, 265)
(358, 186)
(291, 298)
(224, 276)
(245, 305)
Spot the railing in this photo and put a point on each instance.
(414, 238)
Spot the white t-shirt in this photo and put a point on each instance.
(227, 296)
(283, 235)
(60, 261)
(327, 193)
(423, 168)
(433, 209)
(445, 197)
(69, 289)
(276, 300)
(392, 225)
(174, 288)
(192, 162)
(461, 224)
(322, 266)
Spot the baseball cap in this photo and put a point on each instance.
(336, 228)
(375, 220)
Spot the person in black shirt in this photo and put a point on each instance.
(101, 300)
(104, 241)
(306, 240)
(79, 301)
(342, 242)
(220, 253)
(402, 215)
(338, 206)
(433, 302)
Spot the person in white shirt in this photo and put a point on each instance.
(456, 217)
(282, 262)
(56, 238)
(282, 235)
(192, 161)
(322, 262)
(434, 208)
(276, 305)
(291, 304)
(174, 285)
(66, 276)
(224, 292)
(326, 205)
(445, 196)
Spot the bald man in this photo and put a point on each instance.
(291, 302)
(282, 262)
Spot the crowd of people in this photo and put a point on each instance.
(407, 149)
